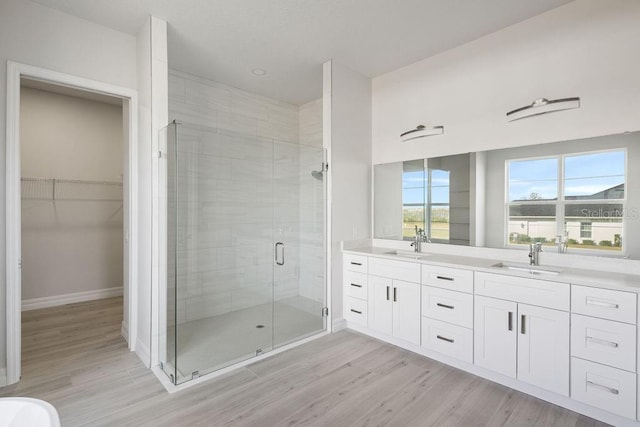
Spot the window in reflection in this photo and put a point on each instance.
(576, 198)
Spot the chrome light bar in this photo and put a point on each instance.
(421, 131)
(543, 106)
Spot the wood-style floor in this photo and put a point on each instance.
(75, 358)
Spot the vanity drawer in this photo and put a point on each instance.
(448, 306)
(604, 341)
(452, 340)
(356, 311)
(604, 303)
(356, 284)
(448, 278)
(399, 270)
(538, 292)
(610, 389)
(355, 263)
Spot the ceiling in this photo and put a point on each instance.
(224, 40)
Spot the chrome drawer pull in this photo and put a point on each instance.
(356, 285)
(356, 311)
(510, 320)
(602, 387)
(599, 303)
(445, 278)
(603, 342)
(356, 263)
(440, 337)
(450, 307)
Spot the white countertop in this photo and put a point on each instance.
(601, 279)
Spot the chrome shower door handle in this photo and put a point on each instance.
(281, 245)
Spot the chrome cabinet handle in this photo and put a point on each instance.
(603, 342)
(450, 307)
(356, 311)
(395, 294)
(523, 330)
(356, 263)
(281, 245)
(510, 320)
(440, 337)
(356, 285)
(451, 279)
(603, 387)
(387, 293)
(600, 303)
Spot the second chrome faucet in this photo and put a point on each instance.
(418, 239)
(534, 253)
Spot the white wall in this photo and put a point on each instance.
(152, 80)
(350, 167)
(587, 48)
(36, 35)
(387, 202)
(70, 246)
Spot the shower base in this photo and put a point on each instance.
(210, 344)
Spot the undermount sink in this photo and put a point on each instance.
(410, 255)
(531, 269)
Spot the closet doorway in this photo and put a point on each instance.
(71, 180)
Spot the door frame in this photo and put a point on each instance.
(15, 71)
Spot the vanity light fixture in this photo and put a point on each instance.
(543, 106)
(421, 131)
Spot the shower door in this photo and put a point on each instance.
(299, 283)
(246, 248)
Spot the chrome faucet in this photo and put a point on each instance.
(418, 239)
(534, 253)
(561, 243)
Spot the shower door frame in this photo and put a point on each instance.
(162, 236)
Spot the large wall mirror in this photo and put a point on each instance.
(432, 195)
(574, 196)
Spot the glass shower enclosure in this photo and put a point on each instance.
(246, 248)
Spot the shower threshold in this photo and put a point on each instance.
(172, 388)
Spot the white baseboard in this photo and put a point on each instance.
(54, 301)
(338, 325)
(124, 331)
(3, 377)
(142, 350)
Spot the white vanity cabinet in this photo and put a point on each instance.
(447, 311)
(394, 308)
(603, 349)
(394, 298)
(356, 289)
(521, 340)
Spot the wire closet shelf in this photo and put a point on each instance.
(70, 190)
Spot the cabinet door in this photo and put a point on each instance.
(495, 335)
(406, 311)
(380, 304)
(543, 348)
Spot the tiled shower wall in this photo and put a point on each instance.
(237, 152)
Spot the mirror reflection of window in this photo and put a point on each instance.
(578, 198)
(413, 198)
(437, 204)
